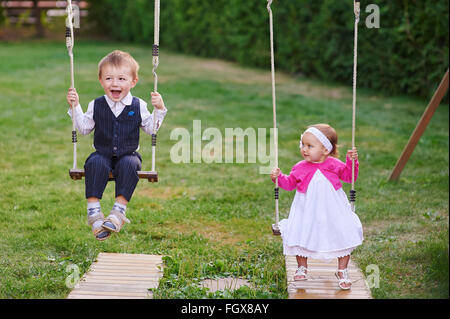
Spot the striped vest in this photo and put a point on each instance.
(116, 136)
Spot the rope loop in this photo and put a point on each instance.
(69, 26)
(69, 10)
(70, 18)
(357, 10)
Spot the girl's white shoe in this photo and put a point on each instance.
(300, 274)
(344, 280)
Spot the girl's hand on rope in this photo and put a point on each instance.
(72, 97)
(157, 101)
(353, 154)
(275, 173)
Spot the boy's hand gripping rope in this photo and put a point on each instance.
(69, 45)
(357, 10)
(275, 227)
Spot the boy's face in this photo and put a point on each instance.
(117, 81)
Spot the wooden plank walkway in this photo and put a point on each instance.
(120, 276)
(322, 283)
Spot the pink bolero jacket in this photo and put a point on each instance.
(332, 168)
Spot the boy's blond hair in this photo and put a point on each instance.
(119, 58)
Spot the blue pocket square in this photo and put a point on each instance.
(131, 113)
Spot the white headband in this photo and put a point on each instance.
(320, 136)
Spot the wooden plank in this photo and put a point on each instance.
(127, 259)
(321, 263)
(108, 279)
(151, 284)
(126, 264)
(108, 264)
(323, 274)
(113, 287)
(124, 276)
(420, 128)
(311, 295)
(122, 271)
(331, 286)
(115, 275)
(99, 296)
(152, 176)
(119, 267)
(137, 263)
(117, 284)
(106, 293)
(328, 292)
(110, 293)
(120, 276)
(127, 256)
(322, 283)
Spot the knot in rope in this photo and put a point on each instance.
(357, 10)
(69, 25)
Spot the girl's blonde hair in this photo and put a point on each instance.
(119, 58)
(331, 134)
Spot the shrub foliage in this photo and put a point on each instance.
(407, 54)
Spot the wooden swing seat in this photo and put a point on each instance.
(152, 176)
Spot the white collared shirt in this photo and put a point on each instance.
(85, 121)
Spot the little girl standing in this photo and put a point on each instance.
(321, 223)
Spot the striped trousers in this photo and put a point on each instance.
(124, 169)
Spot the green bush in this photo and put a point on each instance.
(408, 54)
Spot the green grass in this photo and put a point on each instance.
(210, 220)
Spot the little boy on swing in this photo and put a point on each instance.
(115, 118)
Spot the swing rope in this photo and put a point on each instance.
(357, 10)
(275, 227)
(69, 44)
(155, 54)
(75, 173)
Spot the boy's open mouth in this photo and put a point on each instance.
(115, 93)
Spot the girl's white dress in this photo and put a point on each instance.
(321, 223)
